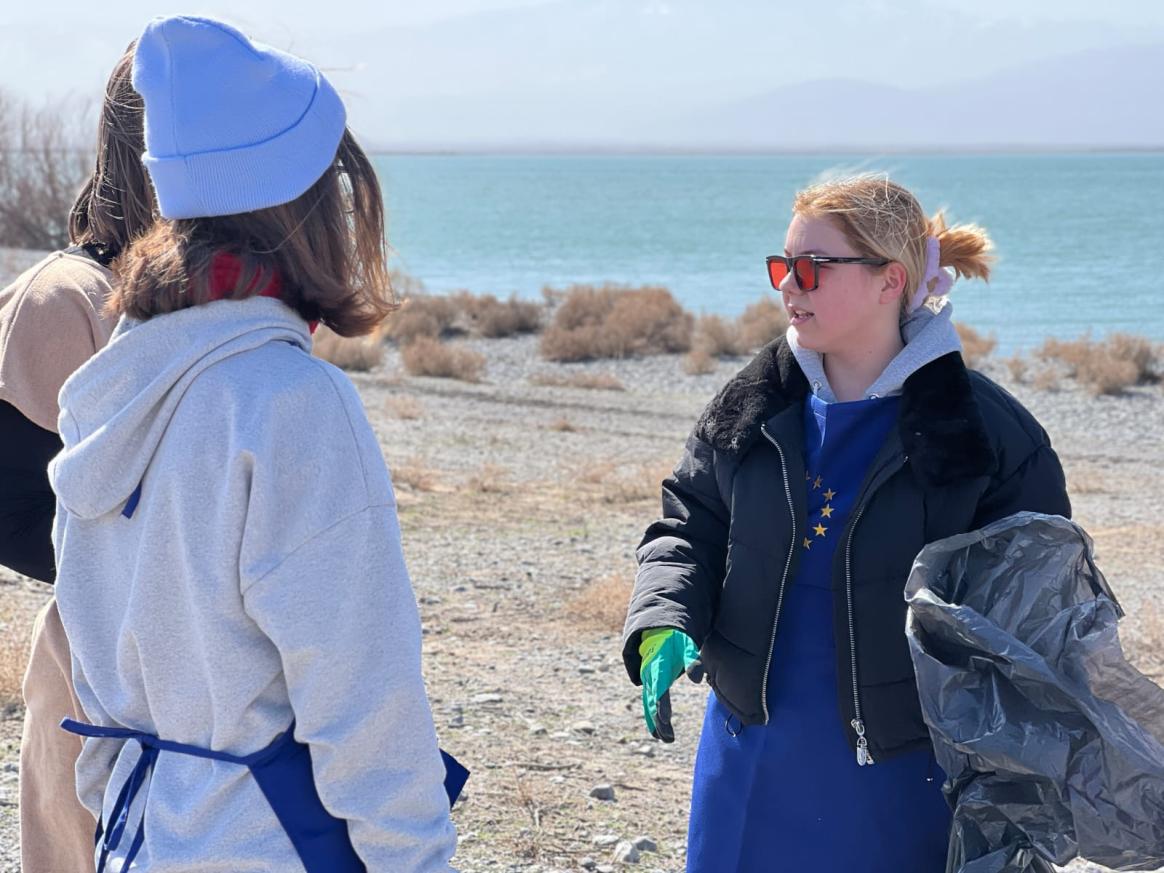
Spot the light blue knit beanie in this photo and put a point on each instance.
(230, 125)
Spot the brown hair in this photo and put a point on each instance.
(327, 246)
(116, 203)
(882, 219)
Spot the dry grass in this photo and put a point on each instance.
(592, 381)
(356, 353)
(404, 406)
(1146, 650)
(492, 318)
(490, 479)
(762, 322)
(975, 347)
(638, 483)
(15, 630)
(424, 356)
(602, 603)
(698, 362)
(616, 322)
(1107, 366)
(415, 475)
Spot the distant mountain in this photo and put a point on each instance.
(1089, 99)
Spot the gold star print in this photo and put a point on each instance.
(830, 494)
(807, 543)
(817, 482)
(826, 512)
(820, 529)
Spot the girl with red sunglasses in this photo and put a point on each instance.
(806, 490)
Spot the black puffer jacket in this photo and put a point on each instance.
(965, 453)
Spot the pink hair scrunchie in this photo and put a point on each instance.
(937, 281)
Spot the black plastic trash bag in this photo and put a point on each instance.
(1052, 742)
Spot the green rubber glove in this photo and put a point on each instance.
(666, 654)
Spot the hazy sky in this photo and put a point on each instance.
(553, 69)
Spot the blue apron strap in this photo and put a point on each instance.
(284, 774)
(131, 504)
(110, 839)
(456, 775)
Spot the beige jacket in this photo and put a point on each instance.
(51, 322)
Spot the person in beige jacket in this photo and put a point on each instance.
(52, 319)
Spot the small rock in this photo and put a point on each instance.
(584, 669)
(605, 840)
(583, 727)
(487, 698)
(645, 844)
(587, 863)
(646, 750)
(602, 792)
(538, 730)
(626, 853)
(604, 868)
(457, 721)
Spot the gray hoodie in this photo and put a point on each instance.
(260, 580)
(928, 335)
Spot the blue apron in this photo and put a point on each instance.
(789, 795)
(283, 772)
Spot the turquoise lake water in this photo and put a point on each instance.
(1080, 237)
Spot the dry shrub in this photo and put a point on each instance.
(45, 156)
(563, 425)
(616, 322)
(404, 407)
(1138, 351)
(719, 338)
(698, 362)
(425, 356)
(1105, 367)
(975, 347)
(1106, 374)
(1046, 379)
(490, 479)
(762, 322)
(493, 318)
(593, 381)
(1017, 365)
(415, 475)
(356, 353)
(602, 603)
(422, 315)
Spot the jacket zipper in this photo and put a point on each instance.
(784, 578)
(858, 723)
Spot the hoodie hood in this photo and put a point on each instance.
(927, 334)
(117, 406)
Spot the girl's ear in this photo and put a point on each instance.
(893, 282)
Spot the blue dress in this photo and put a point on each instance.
(789, 795)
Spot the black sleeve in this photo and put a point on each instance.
(27, 503)
(1037, 484)
(682, 556)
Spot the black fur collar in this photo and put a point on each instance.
(940, 422)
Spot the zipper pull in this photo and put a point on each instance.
(863, 756)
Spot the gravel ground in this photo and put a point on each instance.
(521, 506)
